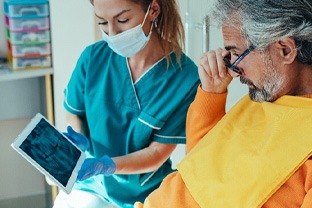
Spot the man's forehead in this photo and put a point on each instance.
(232, 37)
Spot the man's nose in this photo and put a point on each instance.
(233, 73)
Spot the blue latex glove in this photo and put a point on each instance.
(94, 166)
(91, 166)
(78, 139)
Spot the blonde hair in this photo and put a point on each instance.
(170, 28)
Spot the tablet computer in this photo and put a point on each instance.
(50, 151)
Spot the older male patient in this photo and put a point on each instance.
(259, 153)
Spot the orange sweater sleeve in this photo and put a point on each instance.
(296, 191)
(203, 114)
(171, 193)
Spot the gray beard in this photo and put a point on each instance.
(260, 95)
(271, 82)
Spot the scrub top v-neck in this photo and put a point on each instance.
(124, 117)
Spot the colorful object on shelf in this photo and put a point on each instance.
(28, 33)
(36, 37)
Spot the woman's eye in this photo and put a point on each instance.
(123, 20)
(103, 23)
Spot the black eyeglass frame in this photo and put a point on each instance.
(233, 66)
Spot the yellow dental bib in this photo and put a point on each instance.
(250, 153)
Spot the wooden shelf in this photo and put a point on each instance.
(7, 74)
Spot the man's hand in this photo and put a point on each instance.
(212, 71)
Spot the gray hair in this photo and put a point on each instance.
(264, 22)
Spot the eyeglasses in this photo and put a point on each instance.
(233, 66)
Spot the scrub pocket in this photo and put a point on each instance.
(143, 130)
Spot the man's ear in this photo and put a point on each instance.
(287, 50)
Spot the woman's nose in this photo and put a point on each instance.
(111, 31)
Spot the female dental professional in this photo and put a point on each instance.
(129, 95)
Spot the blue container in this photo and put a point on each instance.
(26, 8)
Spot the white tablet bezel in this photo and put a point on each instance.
(24, 135)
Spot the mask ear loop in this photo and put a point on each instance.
(150, 32)
(148, 9)
(146, 15)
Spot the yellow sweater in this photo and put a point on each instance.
(244, 161)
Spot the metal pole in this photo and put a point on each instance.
(187, 28)
(205, 34)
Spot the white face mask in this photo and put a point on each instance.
(129, 42)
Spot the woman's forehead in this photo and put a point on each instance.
(111, 8)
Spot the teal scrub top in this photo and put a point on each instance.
(124, 117)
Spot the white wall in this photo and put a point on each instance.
(73, 28)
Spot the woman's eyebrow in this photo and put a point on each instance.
(123, 11)
(117, 15)
(98, 16)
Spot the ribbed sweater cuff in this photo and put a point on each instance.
(206, 103)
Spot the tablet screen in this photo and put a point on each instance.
(50, 150)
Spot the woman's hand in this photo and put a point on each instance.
(212, 71)
(95, 166)
(78, 139)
